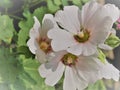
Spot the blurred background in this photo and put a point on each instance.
(15, 8)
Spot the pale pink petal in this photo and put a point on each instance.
(103, 12)
(40, 55)
(34, 32)
(69, 83)
(31, 43)
(105, 46)
(47, 24)
(61, 39)
(108, 71)
(72, 80)
(89, 49)
(88, 10)
(68, 18)
(101, 31)
(88, 69)
(76, 49)
(56, 75)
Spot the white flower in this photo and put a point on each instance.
(82, 31)
(39, 43)
(78, 71)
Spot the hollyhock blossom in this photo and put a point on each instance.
(78, 71)
(83, 30)
(39, 43)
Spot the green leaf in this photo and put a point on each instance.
(101, 56)
(57, 2)
(113, 41)
(25, 51)
(51, 6)
(77, 2)
(40, 12)
(25, 26)
(9, 67)
(99, 85)
(32, 79)
(6, 28)
(64, 2)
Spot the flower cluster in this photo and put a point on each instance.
(71, 42)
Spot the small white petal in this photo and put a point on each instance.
(76, 49)
(69, 83)
(101, 13)
(101, 31)
(55, 76)
(61, 39)
(88, 10)
(105, 46)
(43, 71)
(108, 71)
(31, 43)
(47, 24)
(68, 18)
(88, 69)
(34, 32)
(89, 49)
(40, 55)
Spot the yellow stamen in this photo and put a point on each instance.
(81, 34)
(44, 46)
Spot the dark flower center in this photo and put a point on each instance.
(69, 59)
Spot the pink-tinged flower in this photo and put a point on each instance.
(78, 72)
(82, 31)
(39, 43)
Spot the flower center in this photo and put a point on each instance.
(69, 59)
(44, 45)
(83, 36)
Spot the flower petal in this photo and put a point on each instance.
(89, 49)
(88, 10)
(68, 18)
(31, 43)
(73, 81)
(88, 68)
(76, 49)
(101, 31)
(108, 71)
(103, 12)
(47, 24)
(105, 46)
(61, 39)
(69, 83)
(85, 49)
(55, 76)
(40, 55)
(34, 32)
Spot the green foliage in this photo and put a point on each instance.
(40, 12)
(19, 73)
(99, 85)
(6, 28)
(113, 41)
(52, 7)
(8, 66)
(101, 56)
(25, 26)
(31, 77)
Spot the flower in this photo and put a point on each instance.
(79, 71)
(83, 31)
(39, 43)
